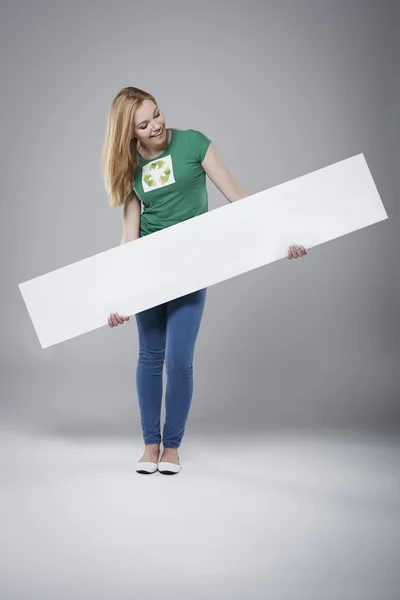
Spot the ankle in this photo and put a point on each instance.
(155, 447)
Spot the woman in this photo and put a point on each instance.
(164, 171)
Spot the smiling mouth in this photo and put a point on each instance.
(158, 134)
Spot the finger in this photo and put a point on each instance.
(119, 319)
(298, 251)
(114, 320)
(125, 318)
(110, 322)
(294, 252)
(304, 251)
(289, 252)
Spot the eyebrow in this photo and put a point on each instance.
(141, 123)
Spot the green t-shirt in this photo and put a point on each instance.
(172, 187)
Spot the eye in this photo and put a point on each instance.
(156, 115)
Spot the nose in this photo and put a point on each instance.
(156, 127)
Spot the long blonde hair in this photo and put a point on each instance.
(118, 158)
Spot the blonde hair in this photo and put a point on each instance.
(118, 158)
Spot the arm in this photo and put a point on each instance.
(225, 182)
(221, 177)
(131, 219)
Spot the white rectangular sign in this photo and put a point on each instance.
(200, 252)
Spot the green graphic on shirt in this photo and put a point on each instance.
(149, 180)
(164, 177)
(158, 164)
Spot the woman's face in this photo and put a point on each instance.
(149, 121)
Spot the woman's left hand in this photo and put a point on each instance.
(296, 251)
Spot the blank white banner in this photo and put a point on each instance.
(200, 252)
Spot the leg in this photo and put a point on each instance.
(183, 323)
(149, 373)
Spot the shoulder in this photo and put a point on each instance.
(198, 142)
(196, 135)
(192, 135)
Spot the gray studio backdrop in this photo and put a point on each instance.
(282, 88)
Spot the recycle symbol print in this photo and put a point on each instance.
(164, 177)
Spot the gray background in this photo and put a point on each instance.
(282, 88)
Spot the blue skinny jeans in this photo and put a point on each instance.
(167, 334)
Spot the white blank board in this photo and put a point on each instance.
(202, 251)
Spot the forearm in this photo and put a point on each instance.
(236, 192)
(129, 236)
(228, 186)
(125, 240)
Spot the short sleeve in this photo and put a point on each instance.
(199, 144)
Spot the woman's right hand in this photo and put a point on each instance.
(115, 319)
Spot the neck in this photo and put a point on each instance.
(148, 153)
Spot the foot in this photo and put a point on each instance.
(170, 455)
(151, 453)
